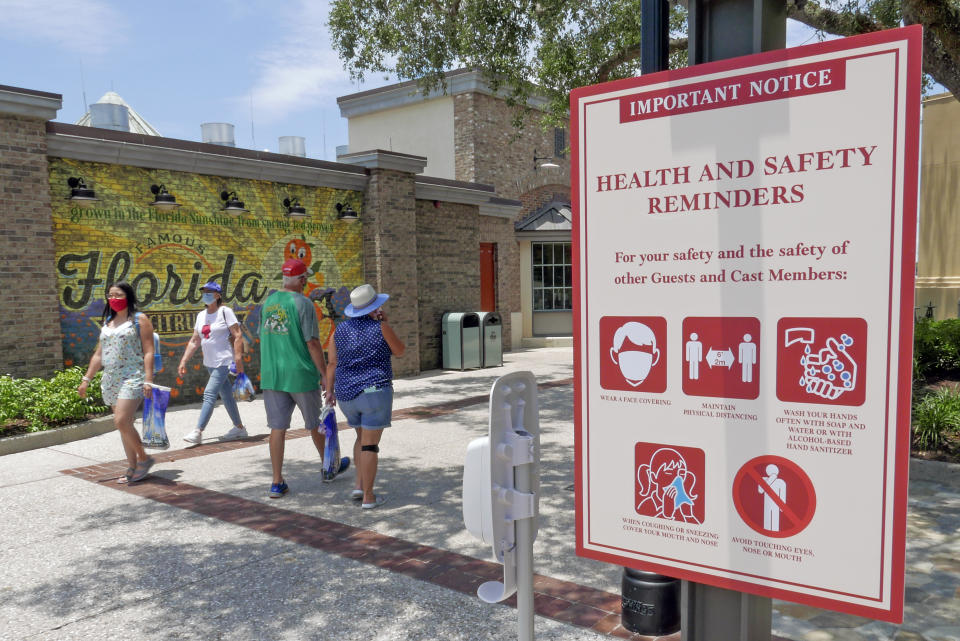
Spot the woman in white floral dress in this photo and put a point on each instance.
(127, 359)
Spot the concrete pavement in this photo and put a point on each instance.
(200, 552)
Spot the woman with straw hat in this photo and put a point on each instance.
(360, 378)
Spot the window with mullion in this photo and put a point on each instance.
(552, 277)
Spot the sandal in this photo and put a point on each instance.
(143, 468)
(356, 494)
(377, 502)
(123, 480)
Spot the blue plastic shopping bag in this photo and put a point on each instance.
(243, 388)
(331, 449)
(155, 417)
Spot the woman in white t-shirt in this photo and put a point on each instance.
(218, 333)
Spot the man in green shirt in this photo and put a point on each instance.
(292, 367)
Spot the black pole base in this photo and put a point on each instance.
(650, 603)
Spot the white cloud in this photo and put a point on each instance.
(302, 72)
(78, 26)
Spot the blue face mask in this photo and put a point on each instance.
(209, 298)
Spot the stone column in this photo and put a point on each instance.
(30, 343)
(389, 220)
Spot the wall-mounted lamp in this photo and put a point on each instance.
(546, 165)
(294, 208)
(231, 204)
(80, 194)
(163, 199)
(346, 213)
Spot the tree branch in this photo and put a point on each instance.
(835, 22)
(632, 53)
(939, 18)
(936, 61)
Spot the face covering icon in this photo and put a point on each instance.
(635, 351)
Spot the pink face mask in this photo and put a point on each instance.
(117, 304)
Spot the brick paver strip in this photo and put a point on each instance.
(554, 599)
(419, 412)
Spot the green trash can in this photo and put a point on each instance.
(491, 328)
(461, 340)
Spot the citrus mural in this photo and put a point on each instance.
(168, 255)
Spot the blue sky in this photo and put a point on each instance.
(183, 63)
(179, 63)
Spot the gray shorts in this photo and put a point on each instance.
(280, 406)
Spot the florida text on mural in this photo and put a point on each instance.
(150, 286)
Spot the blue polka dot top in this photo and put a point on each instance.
(363, 357)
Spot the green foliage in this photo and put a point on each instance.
(936, 349)
(550, 47)
(936, 415)
(47, 403)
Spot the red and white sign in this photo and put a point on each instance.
(822, 360)
(774, 496)
(744, 241)
(669, 482)
(721, 357)
(636, 358)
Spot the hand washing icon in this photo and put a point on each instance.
(829, 371)
(822, 360)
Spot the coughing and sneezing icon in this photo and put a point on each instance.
(829, 371)
(668, 482)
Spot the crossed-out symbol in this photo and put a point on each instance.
(752, 493)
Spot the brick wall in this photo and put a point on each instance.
(30, 341)
(448, 269)
(540, 196)
(490, 150)
(390, 257)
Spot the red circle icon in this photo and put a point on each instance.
(774, 496)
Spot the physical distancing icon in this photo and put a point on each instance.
(721, 357)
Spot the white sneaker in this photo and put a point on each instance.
(234, 434)
(196, 436)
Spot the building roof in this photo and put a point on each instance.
(554, 216)
(138, 124)
(407, 93)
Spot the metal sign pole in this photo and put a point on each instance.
(524, 527)
(721, 29)
(656, 613)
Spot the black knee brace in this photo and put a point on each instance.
(370, 448)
